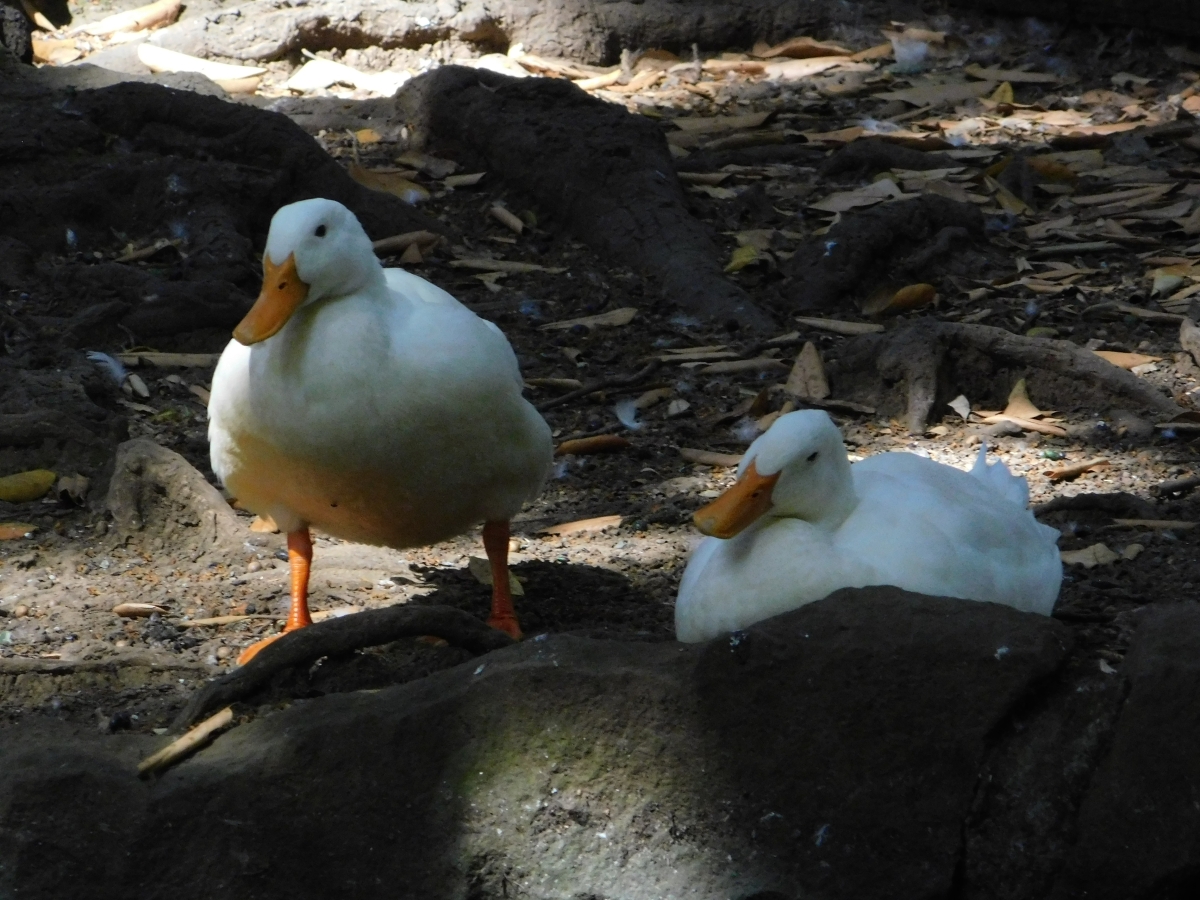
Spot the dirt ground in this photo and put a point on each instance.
(65, 654)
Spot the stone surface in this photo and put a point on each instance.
(831, 752)
(1139, 826)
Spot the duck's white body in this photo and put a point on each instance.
(383, 411)
(893, 519)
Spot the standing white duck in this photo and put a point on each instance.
(372, 405)
(802, 522)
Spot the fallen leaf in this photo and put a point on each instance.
(839, 327)
(600, 523)
(799, 48)
(1019, 404)
(1003, 93)
(138, 610)
(504, 265)
(11, 531)
(711, 124)
(317, 74)
(1077, 469)
(55, 52)
(612, 318)
(601, 443)
(160, 59)
(709, 457)
(876, 192)
(264, 525)
(932, 94)
(72, 489)
(457, 181)
(482, 570)
(1126, 360)
(799, 69)
(807, 379)
(677, 408)
(389, 183)
(507, 219)
(914, 296)
(758, 364)
(25, 487)
(962, 406)
(1027, 424)
(433, 166)
(742, 257)
(1016, 76)
(162, 12)
(717, 193)
(713, 178)
(1089, 557)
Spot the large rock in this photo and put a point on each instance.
(1139, 827)
(830, 752)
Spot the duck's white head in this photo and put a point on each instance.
(315, 249)
(798, 469)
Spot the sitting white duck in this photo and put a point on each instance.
(372, 405)
(802, 522)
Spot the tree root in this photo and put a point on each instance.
(606, 174)
(935, 361)
(337, 636)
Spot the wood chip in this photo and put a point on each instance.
(1089, 557)
(600, 523)
(710, 458)
(507, 219)
(457, 181)
(839, 327)
(153, 15)
(181, 749)
(1074, 471)
(601, 443)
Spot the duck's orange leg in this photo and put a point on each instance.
(495, 542)
(300, 559)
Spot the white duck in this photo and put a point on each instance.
(370, 404)
(802, 522)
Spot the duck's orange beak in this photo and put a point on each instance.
(738, 507)
(282, 293)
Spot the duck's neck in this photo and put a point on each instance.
(825, 498)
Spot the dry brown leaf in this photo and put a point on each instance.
(839, 327)
(709, 457)
(759, 364)
(713, 124)
(1019, 404)
(612, 318)
(511, 267)
(55, 52)
(933, 94)
(138, 610)
(799, 69)
(1077, 469)
(1016, 76)
(482, 570)
(160, 59)
(11, 531)
(433, 166)
(807, 379)
(875, 192)
(389, 183)
(457, 181)
(162, 12)
(601, 443)
(507, 219)
(799, 48)
(713, 178)
(1089, 557)
(600, 523)
(1126, 360)
(264, 525)
(913, 296)
(1027, 424)
(401, 242)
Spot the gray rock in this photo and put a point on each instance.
(1139, 826)
(832, 752)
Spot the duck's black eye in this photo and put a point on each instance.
(320, 232)
(812, 457)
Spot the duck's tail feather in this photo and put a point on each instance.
(997, 477)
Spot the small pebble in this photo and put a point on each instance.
(254, 566)
(224, 653)
(20, 610)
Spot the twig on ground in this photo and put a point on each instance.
(180, 749)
